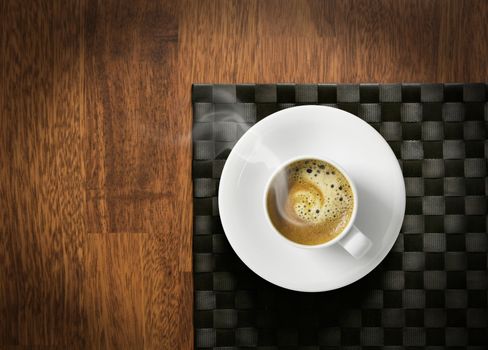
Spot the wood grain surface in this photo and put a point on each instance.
(95, 139)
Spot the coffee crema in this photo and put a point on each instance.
(310, 201)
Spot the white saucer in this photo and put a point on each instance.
(313, 131)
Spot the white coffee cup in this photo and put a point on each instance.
(351, 238)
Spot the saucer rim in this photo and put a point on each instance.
(374, 261)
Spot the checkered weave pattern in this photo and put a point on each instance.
(430, 291)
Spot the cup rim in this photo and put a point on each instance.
(354, 210)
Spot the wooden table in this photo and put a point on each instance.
(95, 139)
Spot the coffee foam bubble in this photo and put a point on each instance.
(310, 201)
(317, 191)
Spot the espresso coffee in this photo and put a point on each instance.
(310, 201)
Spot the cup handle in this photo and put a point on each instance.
(356, 243)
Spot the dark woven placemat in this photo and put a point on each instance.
(430, 291)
